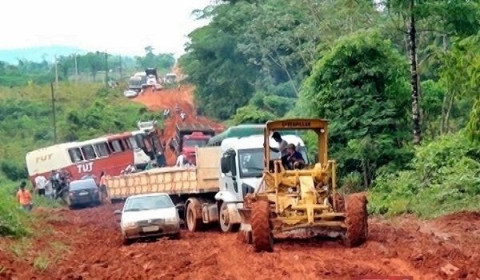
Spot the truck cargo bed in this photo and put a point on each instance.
(203, 178)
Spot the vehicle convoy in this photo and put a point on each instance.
(83, 192)
(301, 202)
(189, 136)
(110, 153)
(148, 215)
(206, 193)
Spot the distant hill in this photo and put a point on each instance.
(37, 54)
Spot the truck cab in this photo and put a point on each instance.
(241, 173)
(190, 142)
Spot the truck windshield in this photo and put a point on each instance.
(148, 203)
(195, 143)
(251, 161)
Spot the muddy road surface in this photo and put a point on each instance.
(444, 248)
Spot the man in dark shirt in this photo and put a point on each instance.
(294, 159)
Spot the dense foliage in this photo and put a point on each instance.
(444, 177)
(82, 112)
(360, 85)
(347, 61)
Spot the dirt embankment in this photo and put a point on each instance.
(169, 99)
(445, 248)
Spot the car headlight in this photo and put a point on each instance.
(172, 220)
(129, 224)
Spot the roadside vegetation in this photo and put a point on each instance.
(349, 62)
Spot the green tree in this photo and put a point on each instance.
(361, 87)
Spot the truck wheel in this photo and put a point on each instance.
(261, 226)
(193, 216)
(356, 218)
(224, 220)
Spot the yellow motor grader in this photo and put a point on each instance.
(301, 202)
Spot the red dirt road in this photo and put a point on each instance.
(445, 248)
(168, 99)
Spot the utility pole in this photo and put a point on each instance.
(120, 67)
(76, 68)
(106, 68)
(54, 117)
(56, 72)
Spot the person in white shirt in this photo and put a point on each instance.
(40, 184)
(180, 161)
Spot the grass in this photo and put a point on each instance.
(41, 262)
(20, 247)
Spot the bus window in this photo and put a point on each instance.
(88, 152)
(126, 144)
(132, 142)
(75, 154)
(139, 139)
(116, 146)
(102, 149)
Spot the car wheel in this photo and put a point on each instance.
(127, 241)
(175, 236)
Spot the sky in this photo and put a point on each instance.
(120, 27)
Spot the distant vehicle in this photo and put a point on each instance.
(188, 137)
(109, 153)
(136, 83)
(170, 78)
(130, 93)
(83, 192)
(148, 215)
(151, 80)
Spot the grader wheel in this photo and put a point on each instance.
(261, 226)
(356, 220)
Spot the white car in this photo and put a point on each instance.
(148, 215)
(130, 93)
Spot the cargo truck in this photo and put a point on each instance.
(213, 190)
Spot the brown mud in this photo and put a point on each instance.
(443, 248)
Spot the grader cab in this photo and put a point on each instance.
(301, 202)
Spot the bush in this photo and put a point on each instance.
(444, 177)
(12, 218)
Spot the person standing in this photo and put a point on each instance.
(24, 197)
(103, 186)
(180, 161)
(40, 185)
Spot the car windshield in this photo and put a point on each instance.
(82, 184)
(148, 203)
(251, 161)
(195, 143)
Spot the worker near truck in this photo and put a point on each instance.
(40, 185)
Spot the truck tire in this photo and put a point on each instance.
(223, 220)
(194, 216)
(356, 219)
(261, 227)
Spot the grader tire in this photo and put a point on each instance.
(261, 227)
(356, 220)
